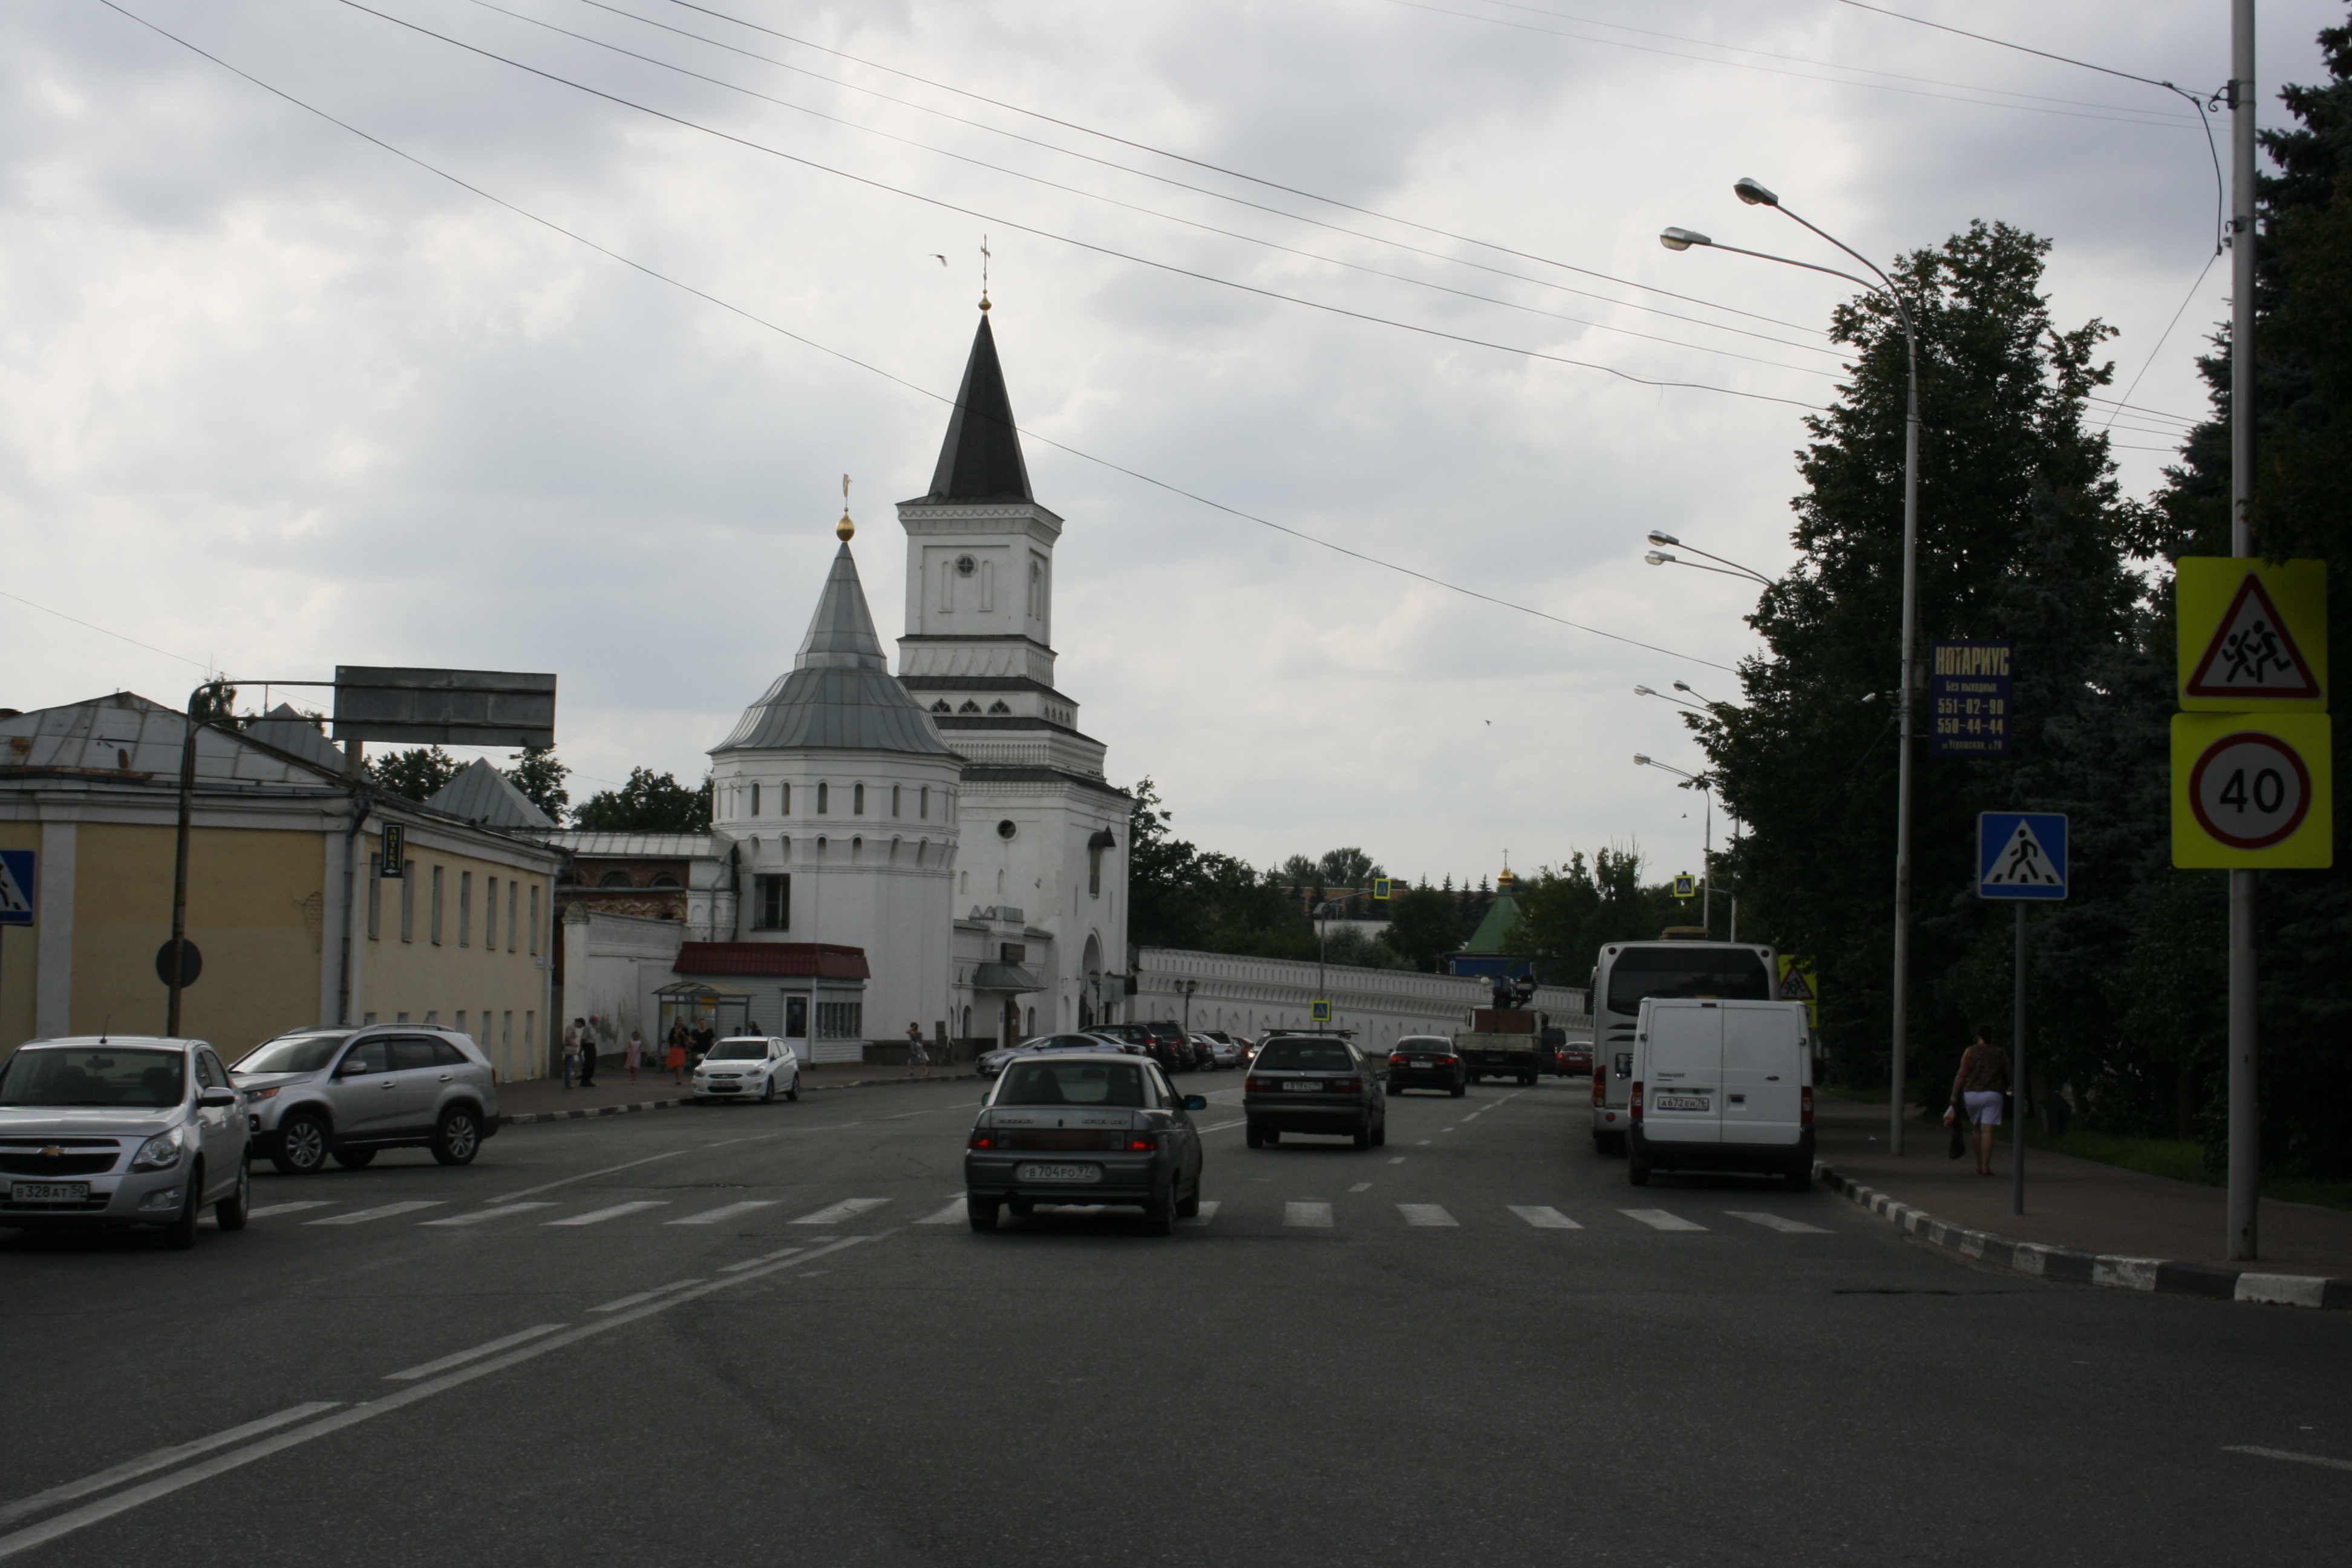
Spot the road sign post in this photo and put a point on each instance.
(2020, 857)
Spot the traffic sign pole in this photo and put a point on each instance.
(2245, 1121)
(2017, 1077)
(2021, 856)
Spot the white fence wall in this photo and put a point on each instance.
(1250, 996)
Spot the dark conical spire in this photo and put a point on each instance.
(841, 633)
(980, 459)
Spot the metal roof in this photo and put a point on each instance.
(981, 459)
(127, 737)
(290, 731)
(823, 959)
(481, 794)
(634, 846)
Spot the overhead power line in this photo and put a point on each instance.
(106, 631)
(871, 368)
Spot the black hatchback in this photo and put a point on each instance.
(1427, 1061)
(1313, 1083)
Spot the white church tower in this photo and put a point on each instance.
(1041, 878)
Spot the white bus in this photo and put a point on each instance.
(1629, 971)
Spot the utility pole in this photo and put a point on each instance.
(2245, 1118)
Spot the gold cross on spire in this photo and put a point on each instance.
(844, 527)
(983, 272)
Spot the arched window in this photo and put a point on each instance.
(824, 799)
(617, 880)
(1036, 590)
(894, 800)
(941, 707)
(820, 848)
(664, 879)
(857, 800)
(967, 1023)
(969, 706)
(755, 800)
(784, 805)
(857, 848)
(1033, 1022)
(894, 852)
(999, 706)
(926, 803)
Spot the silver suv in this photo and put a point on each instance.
(349, 1092)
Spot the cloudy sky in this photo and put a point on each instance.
(273, 398)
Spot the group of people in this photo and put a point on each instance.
(682, 1047)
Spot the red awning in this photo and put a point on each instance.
(790, 958)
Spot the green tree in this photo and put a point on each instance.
(1422, 928)
(648, 803)
(418, 773)
(1568, 914)
(1349, 868)
(541, 777)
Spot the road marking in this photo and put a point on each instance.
(1785, 1225)
(952, 1214)
(1544, 1218)
(428, 1368)
(387, 1212)
(848, 1208)
(598, 1216)
(266, 1210)
(161, 1459)
(478, 1215)
(1316, 1216)
(163, 1486)
(1221, 1126)
(1361, 1187)
(2292, 1458)
(608, 1169)
(1396, 1159)
(755, 1262)
(1424, 1143)
(644, 1295)
(1208, 1212)
(1659, 1219)
(729, 1211)
(1425, 1215)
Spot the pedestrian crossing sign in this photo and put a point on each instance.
(2021, 854)
(16, 886)
(1687, 886)
(2252, 636)
(1319, 1012)
(1381, 887)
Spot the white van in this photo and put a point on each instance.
(1721, 1086)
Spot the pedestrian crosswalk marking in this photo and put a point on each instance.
(1425, 1215)
(848, 1208)
(729, 1211)
(267, 1209)
(1361, 1187)
(598, 1216)
(1208, 1212)
(1315, 1216)
(1780, 1223)
(480, 1215)
(1659, 1219)
(952, 1214)
(1544, 1218)
(387, 1212)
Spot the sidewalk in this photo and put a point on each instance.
(546, 1098)
(2122, 1217)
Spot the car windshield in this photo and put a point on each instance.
(1736, 974)
(1314, 1055)
(296, 1053)
(103, 1075)
(1072, 1083)
(738, 1051)
(1424, 1043)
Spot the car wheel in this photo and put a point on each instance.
(981, 1212)
(1021, 1208)
(458, 1138)
(1381, 1133)
(230, 1212)
(1470, 1077)
(1252, 1135)
(1159, 1215)
(181, 1233)
(1637, 1172)
(354, 1159)
(1800, 1178)
(1526, 1081)
(302, 1146)
(1273, 1135)
(768, 1091)
(1364, 1136)
(1459, 1089)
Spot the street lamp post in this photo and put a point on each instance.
(1755, 194)
(1706, 855)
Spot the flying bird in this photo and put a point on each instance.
(937, 257)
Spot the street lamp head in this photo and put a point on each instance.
(1682, 238)
(1660, 536)
(1644, 691)
(1683, 685)
(1640, 761)
(1748, 190)
(1659, 558)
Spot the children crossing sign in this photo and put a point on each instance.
(2252, 636)
(2021, 854)
(16, 888)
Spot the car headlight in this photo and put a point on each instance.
(256, 1096)
(160, 1152)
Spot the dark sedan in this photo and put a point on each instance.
(1427, 1061)
(1084, 1128)
(1313, 1083)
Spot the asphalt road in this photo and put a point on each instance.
(764, 1335)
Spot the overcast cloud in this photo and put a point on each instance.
(273, 399)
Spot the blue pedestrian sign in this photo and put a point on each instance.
(2021, 854)
(16, 889)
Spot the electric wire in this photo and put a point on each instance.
(2185, 302)
(106, 631)
(872, 368)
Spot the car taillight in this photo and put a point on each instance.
(1396, 1061)
(1449, 1061)
(981, 1140)
(1142, 1143)
(1600, 1088)
(1347, 1085)
(1257, 1085)
(1805, 1105)
(1635, 1106)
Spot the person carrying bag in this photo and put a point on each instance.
(1977, 1093)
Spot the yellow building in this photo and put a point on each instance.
(288, 907)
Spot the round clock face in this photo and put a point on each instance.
(966, 566)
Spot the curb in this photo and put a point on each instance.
(589, 1113)
(2068, 1266)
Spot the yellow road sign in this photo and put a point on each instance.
(2252, 636)
(2251, 790)
(1687, 886)
(1801, 981)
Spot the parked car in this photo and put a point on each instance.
(1093, 1127)
(742, 1065)
(1133, 1038)
(1313, 1083)
(352, 1093)
(992, 1063)
(1224, 1050)
(1721, 1085)
(1576, 1057)
(1171, 1048)
(127, 1130)
(1427, 1061)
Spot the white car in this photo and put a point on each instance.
(748, 1066)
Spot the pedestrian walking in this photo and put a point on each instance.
(677, 1059)
(1976, 1094)
(636, 1056)
(571, 1052)
(918, 1061)
(588, 1054)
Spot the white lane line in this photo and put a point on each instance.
(727, 1211)
(1780, 1223)
(1544, 1218)
(623, 1165)
(1361, 1187)
(1208, 1212)
(1222, 1126)
(1422, 1144)
(163, 1486)
(387, 1212)
(2287, 1455)
(161, 1459)
(755, 1262)
(1313, 1215)
(1659, 1219)
(952, 1214)
(477, 1216)
(598, 1216)
(646, 1295)
(267, 1209)
(427, 1369)
(1396, 1159)
(848, 1208)
(1425, 1215)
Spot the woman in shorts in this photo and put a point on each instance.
(1976, 1094)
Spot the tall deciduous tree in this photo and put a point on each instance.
(541, 777)
(1422, 926)
(648, 803)
(418, 773)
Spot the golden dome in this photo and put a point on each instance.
(1505, 879)
(845, 528)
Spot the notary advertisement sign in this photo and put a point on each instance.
(1968, 707)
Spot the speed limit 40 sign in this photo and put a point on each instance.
(2251, 790)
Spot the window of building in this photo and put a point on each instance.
(408, 900)
(530, 1020)
(506, 1034)
(969, 706)
(513, 889)
(967, 1023)
(857, 800)
(534, 919)
(1094, 870)
(784, 800)
(403, 1018)
(1036, 612)
(894, 800)
(433, 1019)
(840, 1020)
(465, 911)
(755, 800)
(824, 799)
(617, 880)
(1031, 1029)
(375, 896)
(926, 803)
(367, 1019)
(963, 881)
(664, 879)
(857, 850)
(490, 918)
(941, 707)
(460, 1025)
(820, 849)
(923, 851)
(988, 587)
(773, 902)
(435, 914)
(1000, 706)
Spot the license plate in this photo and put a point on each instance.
(1680, 1102)
(1057, 1173)
(1303, 1087)
(1423, 1062)
(48, 1192)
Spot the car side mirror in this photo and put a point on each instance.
(1196, 1102)
(216, 1098)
